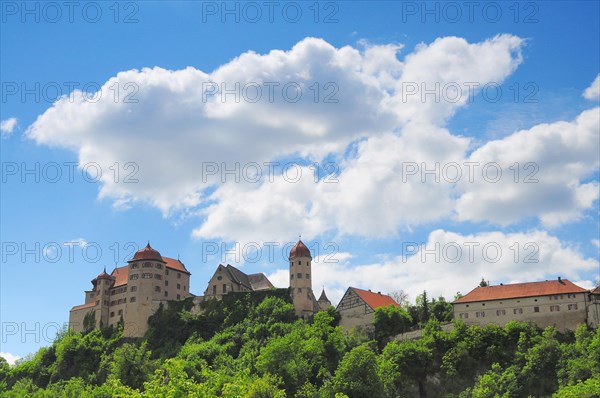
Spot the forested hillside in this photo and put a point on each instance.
(254, 346)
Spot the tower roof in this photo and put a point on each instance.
(102, 275)
(300, 250)
(323, 296)
(147, 253)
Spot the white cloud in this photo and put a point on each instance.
(549, 179)
(7, 126)
(172, 132)
(593, 91)
(10, 358)
(451, 262)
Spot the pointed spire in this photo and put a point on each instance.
(323, 296)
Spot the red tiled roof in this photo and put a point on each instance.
(300, 250)
(596, 290)
(120, 275)
(514, 290)
(82, 306)
(147, 253)
(375, 300)
(176, 265)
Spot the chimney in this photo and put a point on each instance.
(379, 293)
(560, 280)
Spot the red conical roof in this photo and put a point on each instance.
(147, 253)
(300, 250)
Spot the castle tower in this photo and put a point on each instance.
(102, 284)
(301, 280)
(145, 289)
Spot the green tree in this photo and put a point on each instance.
(390, 321)
(356, 375)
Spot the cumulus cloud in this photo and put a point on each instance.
(175, 127)
(593, 91)
(543, 169)
(7, 126)
(450, 262)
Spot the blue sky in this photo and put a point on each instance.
(376, 93)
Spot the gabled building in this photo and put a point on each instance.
(228, 279)
(559, 303)
(132, 293)
(357, 307)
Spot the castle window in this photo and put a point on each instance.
(214, 289)
(480, 314)
(134, 266)
(157, 289)
(166, 283)
(536, 309)
(178, 286)
(554, 308)
(178, 297)
(464, 315)
(224, 288)
(158, 276)
(133, 277)
(105, 302)
(571, 295)
(166, 294)
(147, 264)
(178, 275)
(184, 287)
(500, 312)
(166, 272)
(572, 307)
(112, 293)
(146, 275)
(134, 288)
(307, 276)
(299, 290)
(517, 311)
(120, 312)
(132, 300)
(112, 314)
(292, 276)
(113, 302)
(299, 262)
(158, 266)
(299, 275)
(219, 277)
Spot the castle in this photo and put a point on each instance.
(132, 293)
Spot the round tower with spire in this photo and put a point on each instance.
(145, 289)
(301, 279)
